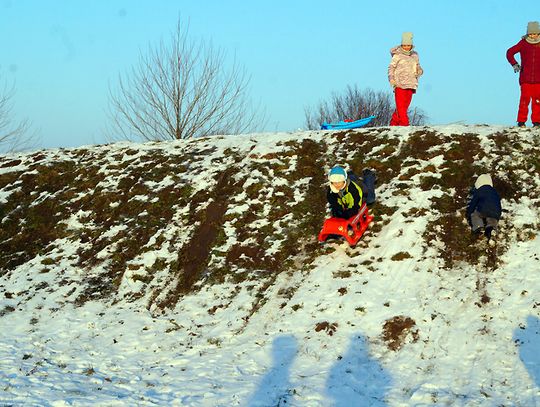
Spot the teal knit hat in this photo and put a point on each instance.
(337, 174)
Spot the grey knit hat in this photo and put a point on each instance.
(533, 27)
(406, 38)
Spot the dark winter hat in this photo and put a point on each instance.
(533, 27)
(406, 38)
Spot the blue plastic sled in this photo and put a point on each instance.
(347, 125)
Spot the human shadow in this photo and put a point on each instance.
(356, 379)
(275, 388)
(528, 340)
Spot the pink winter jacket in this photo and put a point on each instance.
(404, 70)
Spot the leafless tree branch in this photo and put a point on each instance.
(180, 89)
(13, 135)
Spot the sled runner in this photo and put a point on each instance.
(347, 124)
(351, 229)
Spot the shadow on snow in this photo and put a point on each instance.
(528, 340)
(275, 388)
(357, 379)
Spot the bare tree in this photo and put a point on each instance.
(354, 104)
(180, 90)
(13, 135)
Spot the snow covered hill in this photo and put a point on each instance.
(188, 273)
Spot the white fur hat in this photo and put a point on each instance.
(484, 179)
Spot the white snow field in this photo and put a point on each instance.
(189, 273)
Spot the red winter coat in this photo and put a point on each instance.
(530, 61)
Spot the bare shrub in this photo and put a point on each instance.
(354, 104)
(13, 135)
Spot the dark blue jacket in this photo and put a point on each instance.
(485, 200)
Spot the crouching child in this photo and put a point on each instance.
(484, 208)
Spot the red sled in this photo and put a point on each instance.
(351, 229)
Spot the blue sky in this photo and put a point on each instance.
(62, 55)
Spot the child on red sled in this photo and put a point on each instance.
(343, 195)
(348, 196)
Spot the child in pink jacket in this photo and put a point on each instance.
(403, 74)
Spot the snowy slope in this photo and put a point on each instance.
(188, 273)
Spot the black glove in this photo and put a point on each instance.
(516, 67)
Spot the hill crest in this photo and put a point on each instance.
(214, 241)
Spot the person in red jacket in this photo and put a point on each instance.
(529, 73)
